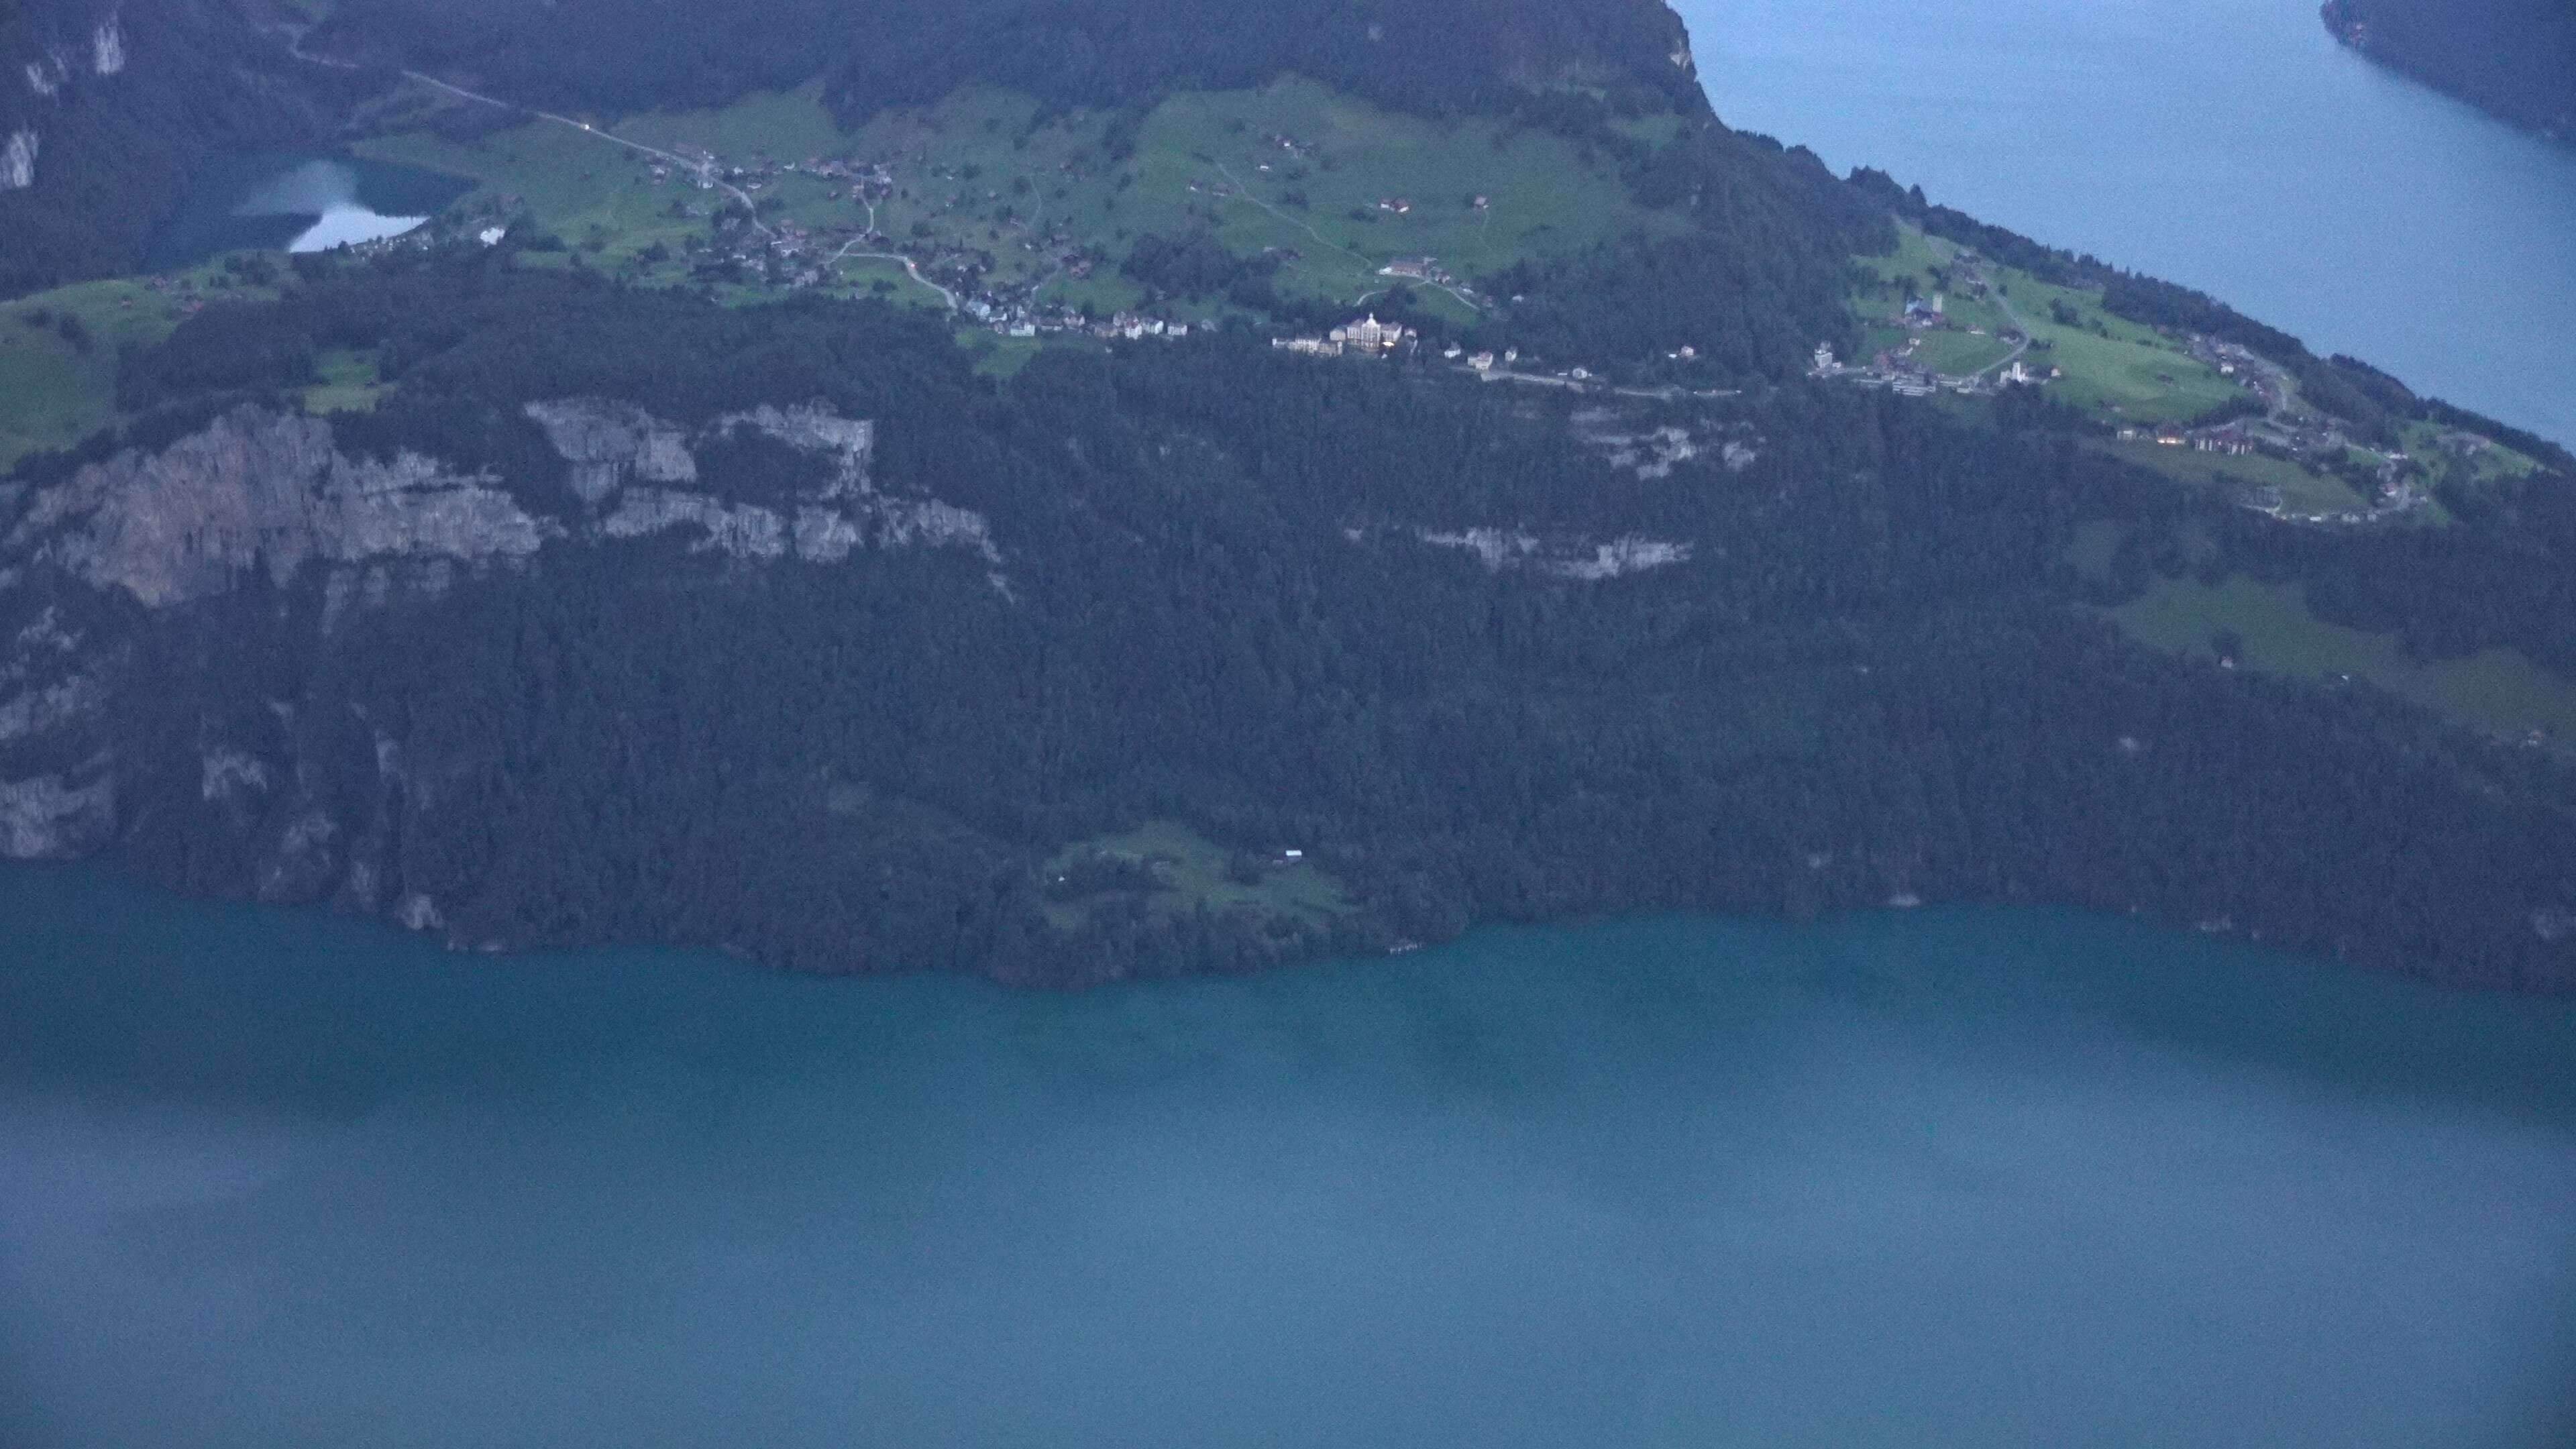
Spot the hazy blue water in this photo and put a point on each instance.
(2228, 144)
(298, 202)
(1977, 1178)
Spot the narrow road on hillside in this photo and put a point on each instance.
(1244, 193)
(2012, 315)
(295, 48)
(909, 268)
(705, 171)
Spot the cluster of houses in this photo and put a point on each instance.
(2239, 362)
(1129, 326)
(184, 291)
(2232, 440)
(705, 166)
(1899, 373)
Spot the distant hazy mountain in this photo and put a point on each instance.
(2516, 58)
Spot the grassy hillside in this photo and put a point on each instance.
(1165, 869)
(2113, 368)
(58, 350)
(2303, 492)
(2497, 691)
(981, 183)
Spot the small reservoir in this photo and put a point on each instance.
(299, 202)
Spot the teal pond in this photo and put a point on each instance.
(298, 202)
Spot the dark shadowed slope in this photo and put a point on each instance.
(2516, 58)
(625, 54)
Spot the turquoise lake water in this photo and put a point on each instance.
(2229, 144)
(298, 202)
(1987, 1178)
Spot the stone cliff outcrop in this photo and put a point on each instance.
(107, 573)
(270, 491)
(257, 490)
(18, 160)
(641, 477)
(1583, 560)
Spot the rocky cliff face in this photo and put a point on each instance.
(112, 580)
(640, 475)
(18, 160)
(261, 491)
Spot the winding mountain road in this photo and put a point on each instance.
(2013, 315)
(910, 269)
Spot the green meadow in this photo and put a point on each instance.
(1187, 872)
(1353, 189)
(2497, 691)
(2302, 493)
(59, 386)
(2112, 368)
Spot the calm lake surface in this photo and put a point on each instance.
(2228, 144)
(1976, 1178)
(298, 202)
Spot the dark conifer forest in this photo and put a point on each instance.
(2516, 58)
(1875, 674)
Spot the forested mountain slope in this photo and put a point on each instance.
(104, 104)
(2516, 58)
(604, 563)
(622, 55)
(613, 622)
